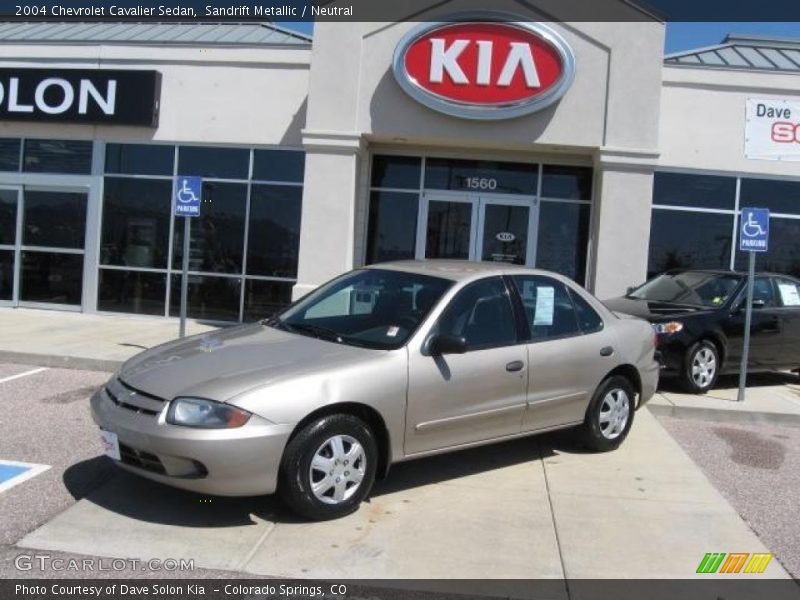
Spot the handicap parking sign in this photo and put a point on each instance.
(187, 196)
(754, 231)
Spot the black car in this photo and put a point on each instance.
(699, 317)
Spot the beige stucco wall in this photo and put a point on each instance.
(355, 104)
(703, 118)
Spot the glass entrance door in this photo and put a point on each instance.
(10, 225)
(474, 227)
(50, 254)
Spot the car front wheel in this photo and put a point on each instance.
(329, 467)
(610, 415)
(701, 367)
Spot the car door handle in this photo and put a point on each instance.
(516, 365)
(606, 351)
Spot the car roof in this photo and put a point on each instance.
(728, 272)
(458, 270)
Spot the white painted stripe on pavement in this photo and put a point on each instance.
(33, 470)
(25, 374)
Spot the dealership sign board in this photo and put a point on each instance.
(101, 96)
(484, 66)
(772, 129)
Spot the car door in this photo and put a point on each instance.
(457, 399)
(569, 353)
(766, 327)
(789, 308)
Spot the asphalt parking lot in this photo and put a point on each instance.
(532, 501)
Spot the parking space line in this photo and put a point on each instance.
(25, 374)
(17, 472)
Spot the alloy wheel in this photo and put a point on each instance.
(704, 367)
(337, 469)
(614, 413)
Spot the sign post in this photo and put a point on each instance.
(753, 237)
(186, 204)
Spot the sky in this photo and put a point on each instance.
(686, 36)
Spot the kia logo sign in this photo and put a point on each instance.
(492, 68)
(505, 237)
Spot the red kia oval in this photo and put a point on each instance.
(484, 67)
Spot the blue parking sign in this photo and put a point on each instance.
(754, 230)
(188, 191)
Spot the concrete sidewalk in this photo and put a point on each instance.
(525, 509)
(65, 339)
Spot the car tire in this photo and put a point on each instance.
(610, 415)
(345, 446)
(700, 367)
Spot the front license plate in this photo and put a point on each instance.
(110, 444)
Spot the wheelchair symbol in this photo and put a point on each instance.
(752, 228)
(186, 194)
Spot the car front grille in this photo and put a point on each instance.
(142, 460)
(129, 398)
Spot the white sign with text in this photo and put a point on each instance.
(772, 129)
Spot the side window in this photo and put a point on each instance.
(789, 293)
(588, 319)
(482, 314)
(764, 292)
(548, 307)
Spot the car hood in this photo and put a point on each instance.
(650, 310)
(223, 364)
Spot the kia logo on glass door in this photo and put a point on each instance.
(487, 68)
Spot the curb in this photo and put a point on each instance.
(60, 362)
(726, 416)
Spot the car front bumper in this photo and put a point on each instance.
(242, 461)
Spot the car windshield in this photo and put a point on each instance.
(372, 308)
(692, 288)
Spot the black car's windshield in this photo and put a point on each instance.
(692, 288)
(373, 308)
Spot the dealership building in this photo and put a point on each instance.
(575, 147)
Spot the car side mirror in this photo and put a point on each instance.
(443, 343)
(629, 290)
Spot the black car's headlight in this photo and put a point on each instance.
(668, 328)
(207, 414)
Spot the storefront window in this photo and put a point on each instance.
(137, 213)
(697, 191)
(776, 195)
(210, 298)
(6, 274)
(217, 163)
(274, 230)
(9, 154)
(279, 165)
(8, 217)
(217, 236)
(392, 229)
(136, 216)
(684, 239)
(52, 277)
(57, 156)
(481, 176)
(570, 183)
(563, 238)
(54, 219)
(140, 159)
(783, 255)
(263, 298)
(132, 292)
(400, 172)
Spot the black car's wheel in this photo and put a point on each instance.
(610, 415)
(328, 468)
(700, 367)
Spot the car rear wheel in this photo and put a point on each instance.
(701, 367)
(610, 415)
(328, 468)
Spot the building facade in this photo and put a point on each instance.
(574, 147)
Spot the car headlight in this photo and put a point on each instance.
(207, 414)
(668, 328)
